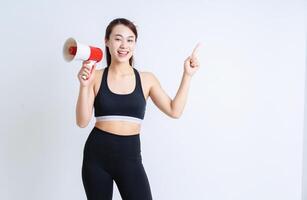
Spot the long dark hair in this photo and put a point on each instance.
(109, 29)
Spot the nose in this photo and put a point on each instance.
(123, 44)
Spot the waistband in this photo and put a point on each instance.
(107, 143)
(107, 133)
(119, 118)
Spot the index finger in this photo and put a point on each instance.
(195, 50)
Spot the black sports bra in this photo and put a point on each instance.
(123, 107)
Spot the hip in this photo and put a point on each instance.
(101, 143)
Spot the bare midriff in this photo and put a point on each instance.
(119, 127)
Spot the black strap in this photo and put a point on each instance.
(138, 80)
(104, 77)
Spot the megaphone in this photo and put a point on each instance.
(74, 50)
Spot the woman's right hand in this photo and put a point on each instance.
(86, 70)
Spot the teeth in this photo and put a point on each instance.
(123, 52)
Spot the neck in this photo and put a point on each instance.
(120, 68)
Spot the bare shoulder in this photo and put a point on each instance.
(98, 74)
(148, 80)
(97, 79)
(149, 77)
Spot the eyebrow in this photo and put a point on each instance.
(122, 36)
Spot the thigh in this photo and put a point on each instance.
(132, 181)
(97, 182)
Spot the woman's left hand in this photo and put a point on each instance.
(191, 64)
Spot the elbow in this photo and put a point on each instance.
(175, 112)
(82, 124)
(175, 115)
(82, 120)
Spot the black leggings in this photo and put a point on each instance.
(108, 157)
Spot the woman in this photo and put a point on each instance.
(119, 93)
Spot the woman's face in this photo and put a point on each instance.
(121, 43)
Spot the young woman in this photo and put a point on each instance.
(118, 94)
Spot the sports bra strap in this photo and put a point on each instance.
(104, 77)
(138, 81)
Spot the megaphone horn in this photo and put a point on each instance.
(74, 50)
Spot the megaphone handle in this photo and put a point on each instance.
(93, 63)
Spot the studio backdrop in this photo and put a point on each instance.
(241, 133)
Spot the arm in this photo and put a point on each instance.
(174, 107)
(180, 99)
(84, 107)
(171, 107)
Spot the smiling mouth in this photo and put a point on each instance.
(122, 53)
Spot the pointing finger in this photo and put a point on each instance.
(195, 50)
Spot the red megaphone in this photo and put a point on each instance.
(74, 50)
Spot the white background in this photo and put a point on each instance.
(241, 133)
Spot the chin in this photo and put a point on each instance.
(123, 59)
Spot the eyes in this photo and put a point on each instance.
(117, 39)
